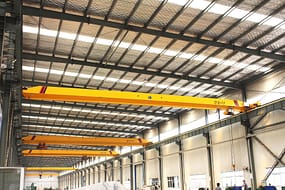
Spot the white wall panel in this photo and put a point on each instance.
(230, 156)
(170, 149)
(151, 165)
(168, 129)
(116, 170)
(137, 158)
(152, 135)
(227, 133)
(194, 142)
(171, 167)
(195, 162)
(267, 89)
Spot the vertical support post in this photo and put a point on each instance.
(79, 179)
(249, 132)
(75, 180)
(210, 160)
(94, 174)
(69, 182)
(105, 172)
(181, 165)
(99, 173)
(89, 176)
(4, 128)
(160, 164)
(121, 170)
(209, 153)
(112, 171)
(144, 167)
(181, 155)
(132, 179)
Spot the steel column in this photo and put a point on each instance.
(181, 156)
(210, 159)
(105, 172)
(112, 171)
(248, 131)
(210, 154)
(181, 164)
(160, 165)
(250, 153)
(144, 167)
(121, 171)
(4, 127)
(132, 178)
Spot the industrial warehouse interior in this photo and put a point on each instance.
(142, 95)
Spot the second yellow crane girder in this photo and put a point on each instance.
(135, 98)
(87, 141)
(68, 153)
(41, 174)
(50, 168)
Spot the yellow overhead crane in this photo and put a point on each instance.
(117, 97)
(68, 153)
(135, 98)
(86, 141)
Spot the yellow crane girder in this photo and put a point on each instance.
(41, 175)
(68, 153)
(50, 168)
(135, 98)
(87, 141)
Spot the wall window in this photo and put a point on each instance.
(154, 181)
(232, 178)
(277, 178)
(197, 181)
(173, 182)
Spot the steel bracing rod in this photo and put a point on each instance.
(94, 141)
(31, 11)
(252, 126)
(274, 165)
(269, 126)
(86, 120)
(268, 150)
(96, 64)
(95, 107)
